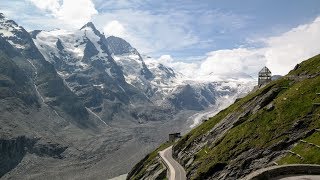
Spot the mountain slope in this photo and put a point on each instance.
(44, 125)
(116, 82)
(83, 60)
(278, 124)
(14, 82)
(74, 103)
(51, 89)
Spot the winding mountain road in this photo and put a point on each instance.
(176, 171)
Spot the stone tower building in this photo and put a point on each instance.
(264, 76)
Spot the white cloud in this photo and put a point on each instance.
(224, 20)
(119, 4)
(73, 13)
(47, 5)
(165, 59)
(77, 12)
(280, 53)
(166, 29)
(285, 51)
(149, 32)
(171, 26)
(220, 65)
(150, 26)
(114, 28)
(187, 69)
(239, 60)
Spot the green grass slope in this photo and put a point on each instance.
(293, 110)
(277, 124)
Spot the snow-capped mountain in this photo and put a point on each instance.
(13, 33)
(77, 101)
(113, 77)
(49, 87)
(110, 76)
(82, 58)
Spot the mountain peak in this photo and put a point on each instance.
(2, 16)
(89, 25)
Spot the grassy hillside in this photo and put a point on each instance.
(277, 124)
(289, 113)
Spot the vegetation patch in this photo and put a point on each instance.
(308, 150)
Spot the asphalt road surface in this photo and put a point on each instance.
(176, 171)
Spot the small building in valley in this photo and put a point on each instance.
(265, 76)
(174, 136)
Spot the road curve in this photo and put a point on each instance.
(176, 171)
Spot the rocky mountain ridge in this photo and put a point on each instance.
(110, 74)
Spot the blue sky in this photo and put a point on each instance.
(188, 31)
(207, 24)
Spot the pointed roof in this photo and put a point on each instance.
(265, 70)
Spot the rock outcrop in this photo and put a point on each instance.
(13, 150)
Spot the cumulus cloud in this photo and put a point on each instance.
(232, 61)
(219, 65)
(165, 59)
(285, 51)
(73, 13)
(280, 53)
(114, 28)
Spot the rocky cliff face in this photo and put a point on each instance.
(277, 124)
(48, 85)
(14, 82)
(13, 151)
